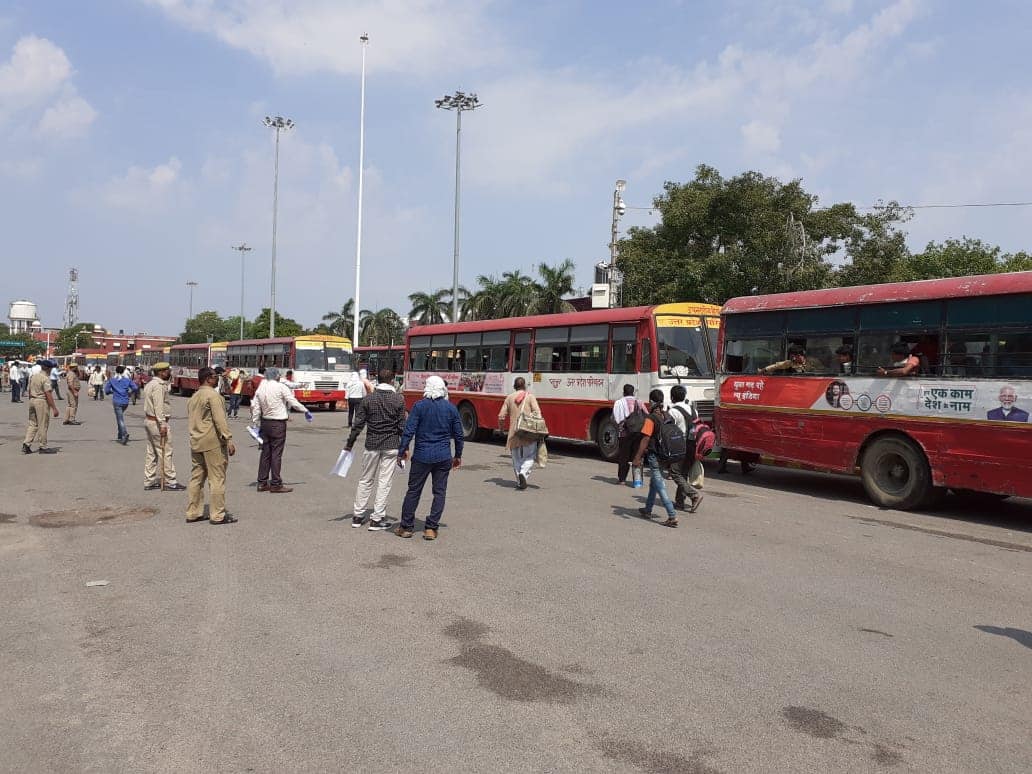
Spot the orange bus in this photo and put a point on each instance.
(576, 364)
(960, 422)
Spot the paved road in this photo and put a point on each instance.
(789, 626)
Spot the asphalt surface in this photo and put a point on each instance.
(788, 626)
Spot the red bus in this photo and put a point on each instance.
(374, 358)
(959, 423)
(187, 359)
(576, 364)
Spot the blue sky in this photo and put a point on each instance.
(133, 147)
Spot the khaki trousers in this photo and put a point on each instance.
(39, 422)
(378, 469)
(207, 466)
(73, 405)
(150, 465)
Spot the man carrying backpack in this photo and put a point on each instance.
(627, 408)
(684, 415)
(662, 445)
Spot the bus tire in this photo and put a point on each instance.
(896, 474)
(607, 438)
(470, 424)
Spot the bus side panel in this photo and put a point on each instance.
(985, 456)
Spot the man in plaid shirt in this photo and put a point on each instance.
(382, 414)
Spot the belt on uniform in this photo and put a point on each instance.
(152, 418)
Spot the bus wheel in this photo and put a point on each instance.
(607, 436)
(896, 474)
(470, 425)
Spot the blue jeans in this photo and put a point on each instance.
(234, 403)
(657, 486)
(418, 473)
(120, 420)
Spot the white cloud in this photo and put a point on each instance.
(307, 36)
(68, 118)
(143, 189)
(760, 137)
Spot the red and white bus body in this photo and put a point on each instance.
(910, 438)
(321, 365)
(575, 363)
(187, 359)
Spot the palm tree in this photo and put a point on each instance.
(556, 282)
(382, 327)
(517, 293)
(430, 308)
(342, 323)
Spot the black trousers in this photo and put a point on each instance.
(353, 404)
(624, 457)
(15, 391)
(274, 435)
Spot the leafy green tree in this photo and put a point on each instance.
(209, 324)
(430, 308)
(342, 322)
(877, 248)
(259, 328)
(382, 327)
(29, 346)
(77, 337)
(952, 258)
(555, 282)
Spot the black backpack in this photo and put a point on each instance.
(635, 421)
(669, 442)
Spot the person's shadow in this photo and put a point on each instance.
(1020, 636)
(508, 483)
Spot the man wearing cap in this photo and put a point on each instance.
(73, 384)
(270, 407)
(157, 409)
(211, 446)
(41, 398)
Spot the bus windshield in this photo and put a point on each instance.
(310, 359)
(337, 358)
(684, 341)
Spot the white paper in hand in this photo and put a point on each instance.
(343, 464)
(253, 432)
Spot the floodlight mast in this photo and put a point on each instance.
(279, 123)
(357, 314)
(242, 248)
(459, 102)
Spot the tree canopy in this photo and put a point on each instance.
(77, 337)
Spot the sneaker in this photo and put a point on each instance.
(175, 488)
(429, 534)
(379, 525)
(151, 487)
(669, 523)
(357, 521)
(403, 532)
(521, 481)
(644, 513)
(696, 502)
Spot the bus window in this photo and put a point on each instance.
(646, 356)
(682, 342)
(588, 348)
(469, 353)
(820, 351)
(624, 346)
(521, 352)
(552, 349)
(496, 350)
(1014, 353)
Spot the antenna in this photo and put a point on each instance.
(71, 315)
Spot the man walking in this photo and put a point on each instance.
(55, 381)
(524, 453)
(382, 415)
(683, 413)
(623, 408)
(435, 424)
(15, 383)
(157, 410)
(74, 385)
(355, 390)
(211, 446)
(96, 382)
(647, 451)
(121, 388)
(270, 408)
(41, 398)
(236, 390)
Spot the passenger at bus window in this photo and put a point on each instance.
(959, 362)
(1007, 411)
(927, 351)
(845, 360)
(903, 362)
(797, 363)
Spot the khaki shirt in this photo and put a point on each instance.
(39, 386)
(72, 379)
(811, 366)
(156, 402)
(206, 416)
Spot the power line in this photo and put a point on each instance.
(953, 206)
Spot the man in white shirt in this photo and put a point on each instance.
(622, 409)
(270, 408)
(684, 415)
(355, 390)
(15, 382)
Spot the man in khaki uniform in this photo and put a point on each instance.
(210, 450)
(72, 379)
(41, 398)
(157, 409)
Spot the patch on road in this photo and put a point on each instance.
(874, 631)
(941, 533)
(641, 756)
(7, 518)
(505, 674)
(1020, 636)
(821, 725)
(388, 562)
(91, 517)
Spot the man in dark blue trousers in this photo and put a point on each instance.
(120, 387)
(434, 423)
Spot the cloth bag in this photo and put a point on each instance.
(697, 474)
(343, 464)
(542, 454)
(530, 426)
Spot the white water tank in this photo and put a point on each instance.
(22, 315)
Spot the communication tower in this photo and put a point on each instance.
(71, 315)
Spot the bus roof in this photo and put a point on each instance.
(202, 345)
(595, 316)
(921, 290)
(329, 338)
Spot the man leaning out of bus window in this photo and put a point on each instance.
(903, 362)
(797, 363)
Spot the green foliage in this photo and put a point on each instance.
(430, 308)
(32, 347)
(209, 323)
(342, 322)
(516, 294)
(67, 343)
(380, 328)
(952, 258)
(259, 328)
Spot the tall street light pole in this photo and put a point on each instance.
(361, 169)
(459, 101)
(191, 284)
(243, 249)
(279, 123)
(615, 275)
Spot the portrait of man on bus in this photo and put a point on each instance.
(1007, 411)
(835, 392)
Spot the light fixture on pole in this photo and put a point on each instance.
(191, 284)
(361, 169)
(242, 248)
(615, 275)
(459, 101)
(279, 123)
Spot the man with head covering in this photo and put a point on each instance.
(270, 408)
(41, 398)
(157, 410)
(434, 424)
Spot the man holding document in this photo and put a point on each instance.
(382, 414)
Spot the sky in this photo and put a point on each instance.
(133, 145)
